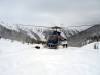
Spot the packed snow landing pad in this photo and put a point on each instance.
(22, 59)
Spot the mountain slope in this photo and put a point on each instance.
(32, 34)
(27, 34)
(19, 35)
(78, 39)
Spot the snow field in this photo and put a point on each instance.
(22, 59)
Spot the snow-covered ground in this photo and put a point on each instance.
(22, 59)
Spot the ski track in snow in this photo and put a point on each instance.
(23, 59)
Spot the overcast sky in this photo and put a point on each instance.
(69, 12)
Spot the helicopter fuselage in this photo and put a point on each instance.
(54, 39)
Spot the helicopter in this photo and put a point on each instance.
(55, 38)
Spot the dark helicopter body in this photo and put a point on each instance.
(54, 39)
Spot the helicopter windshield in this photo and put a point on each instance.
(56, 33)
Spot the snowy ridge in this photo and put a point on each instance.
(33, 32)
(38, 33)
(78, 28)
(9, 26)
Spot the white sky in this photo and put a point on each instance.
(50, 11)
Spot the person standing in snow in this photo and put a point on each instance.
(96, 45)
